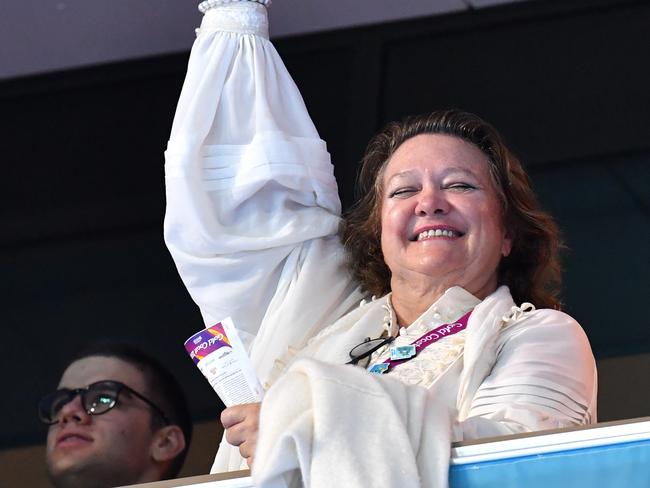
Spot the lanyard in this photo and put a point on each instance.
(404, 353)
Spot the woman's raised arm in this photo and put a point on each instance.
(248, 179)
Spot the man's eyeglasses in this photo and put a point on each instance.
(96, 399)
(367, 347)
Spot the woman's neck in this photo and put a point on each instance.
(412, 294)
(409, 302)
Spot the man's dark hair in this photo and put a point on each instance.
(162, 388)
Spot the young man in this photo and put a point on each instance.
(118, 418)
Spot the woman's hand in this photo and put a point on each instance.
(242, 423)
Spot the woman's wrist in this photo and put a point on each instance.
(208, 4)
(238, 16)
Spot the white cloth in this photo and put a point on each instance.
(344, 427)
(521, 370)
(251, 222)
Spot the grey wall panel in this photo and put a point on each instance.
(58, 297)
(601, 205)
(86, 148)
(564, 85)
(38, 36)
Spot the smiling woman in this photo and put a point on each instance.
(440, 221)
(448, 235)
(531, 270)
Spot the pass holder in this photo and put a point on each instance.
(398, 353)
(402, 354)
(380, 368)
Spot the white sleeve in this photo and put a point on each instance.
(544, 378)
(249, 182)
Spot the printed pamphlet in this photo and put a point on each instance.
(221, 357)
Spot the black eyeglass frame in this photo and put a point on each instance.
(118, 388)
(381, 342)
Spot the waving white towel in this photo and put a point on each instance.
(340, 426)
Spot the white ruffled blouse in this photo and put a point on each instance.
(432, 361)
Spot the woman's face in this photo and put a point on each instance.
(441, 216)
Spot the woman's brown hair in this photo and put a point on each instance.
(531, 271)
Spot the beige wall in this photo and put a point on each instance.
(624, 384)
(624, 387)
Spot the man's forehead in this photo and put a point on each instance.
(91, 369)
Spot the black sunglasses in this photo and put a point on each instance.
(96, 399)
(367, 347)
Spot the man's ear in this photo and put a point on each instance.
(168, 442)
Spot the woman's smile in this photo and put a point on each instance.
(429, 232)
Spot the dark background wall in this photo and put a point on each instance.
(82, 196)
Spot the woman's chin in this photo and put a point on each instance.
(439, 272)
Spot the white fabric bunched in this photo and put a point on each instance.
(343, 427)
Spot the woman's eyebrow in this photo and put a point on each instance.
(452, 170)
(402, 174)
(458, 169)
